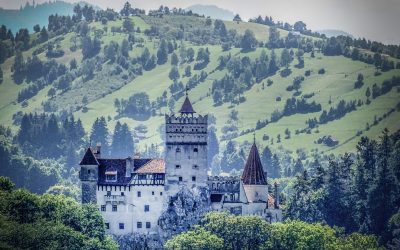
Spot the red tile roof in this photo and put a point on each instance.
(152, 166)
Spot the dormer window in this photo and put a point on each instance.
(111, 176)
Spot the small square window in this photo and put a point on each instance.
(148, 225)
(139, 224)
(193, 178)
(121, 226)
(146, 208)
(139, 194)
(114, 208)
(103, 208)
(152, 192)
(107, 225)
(180, 178)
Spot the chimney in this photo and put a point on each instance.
(98, 150)
(128, 167)
(276, 191)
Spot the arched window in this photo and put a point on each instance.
(195, 153)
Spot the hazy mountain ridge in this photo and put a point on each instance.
(334, 32)
(29, 15)
(212, 11)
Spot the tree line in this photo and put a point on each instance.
(357, 192)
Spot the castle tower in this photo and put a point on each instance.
(186, 148)
(89, 175)
(253, 178)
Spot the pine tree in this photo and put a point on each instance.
(266, 159)
(335, 210)
(275, 167)
(18, 68)
(301, 204)
(383, 193)
(122, 141)
(71, 159)
(162, 53)
(25, 130)
(318, 179)
(99, 134)
(128, 147)
(360, 194)
(298, 167)
(272, 67)
(116, 145)
(367, 154)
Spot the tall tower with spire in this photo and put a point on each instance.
(186, 148)
(253, 178)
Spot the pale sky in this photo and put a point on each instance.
(373, 19)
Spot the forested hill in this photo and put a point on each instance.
(29, 15)
(300, 91)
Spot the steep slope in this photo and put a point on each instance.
(261, 100)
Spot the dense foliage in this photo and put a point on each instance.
(48, 222)
(359, 193)
(226, 231)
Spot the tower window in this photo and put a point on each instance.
(148, 225)
(121, 226)
(103, 208)
(193, 178)
(139, 194)
(108, 193)
(195, 150)
(195, 167)
(178, 150)
(122, 194)
(152, 192)
(180, 178)
(107, 225)
(146, 208)
(177, 166)
(114, 208)
(139, 224)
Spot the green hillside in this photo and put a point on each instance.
(100, 92)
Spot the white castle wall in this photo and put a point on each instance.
(132, 209)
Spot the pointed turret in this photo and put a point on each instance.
(253, 173)
(187, 107)
(89, 158)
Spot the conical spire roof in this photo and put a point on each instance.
(253, 173)
(89, 158)
(187, 107)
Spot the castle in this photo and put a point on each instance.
(132, 193)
